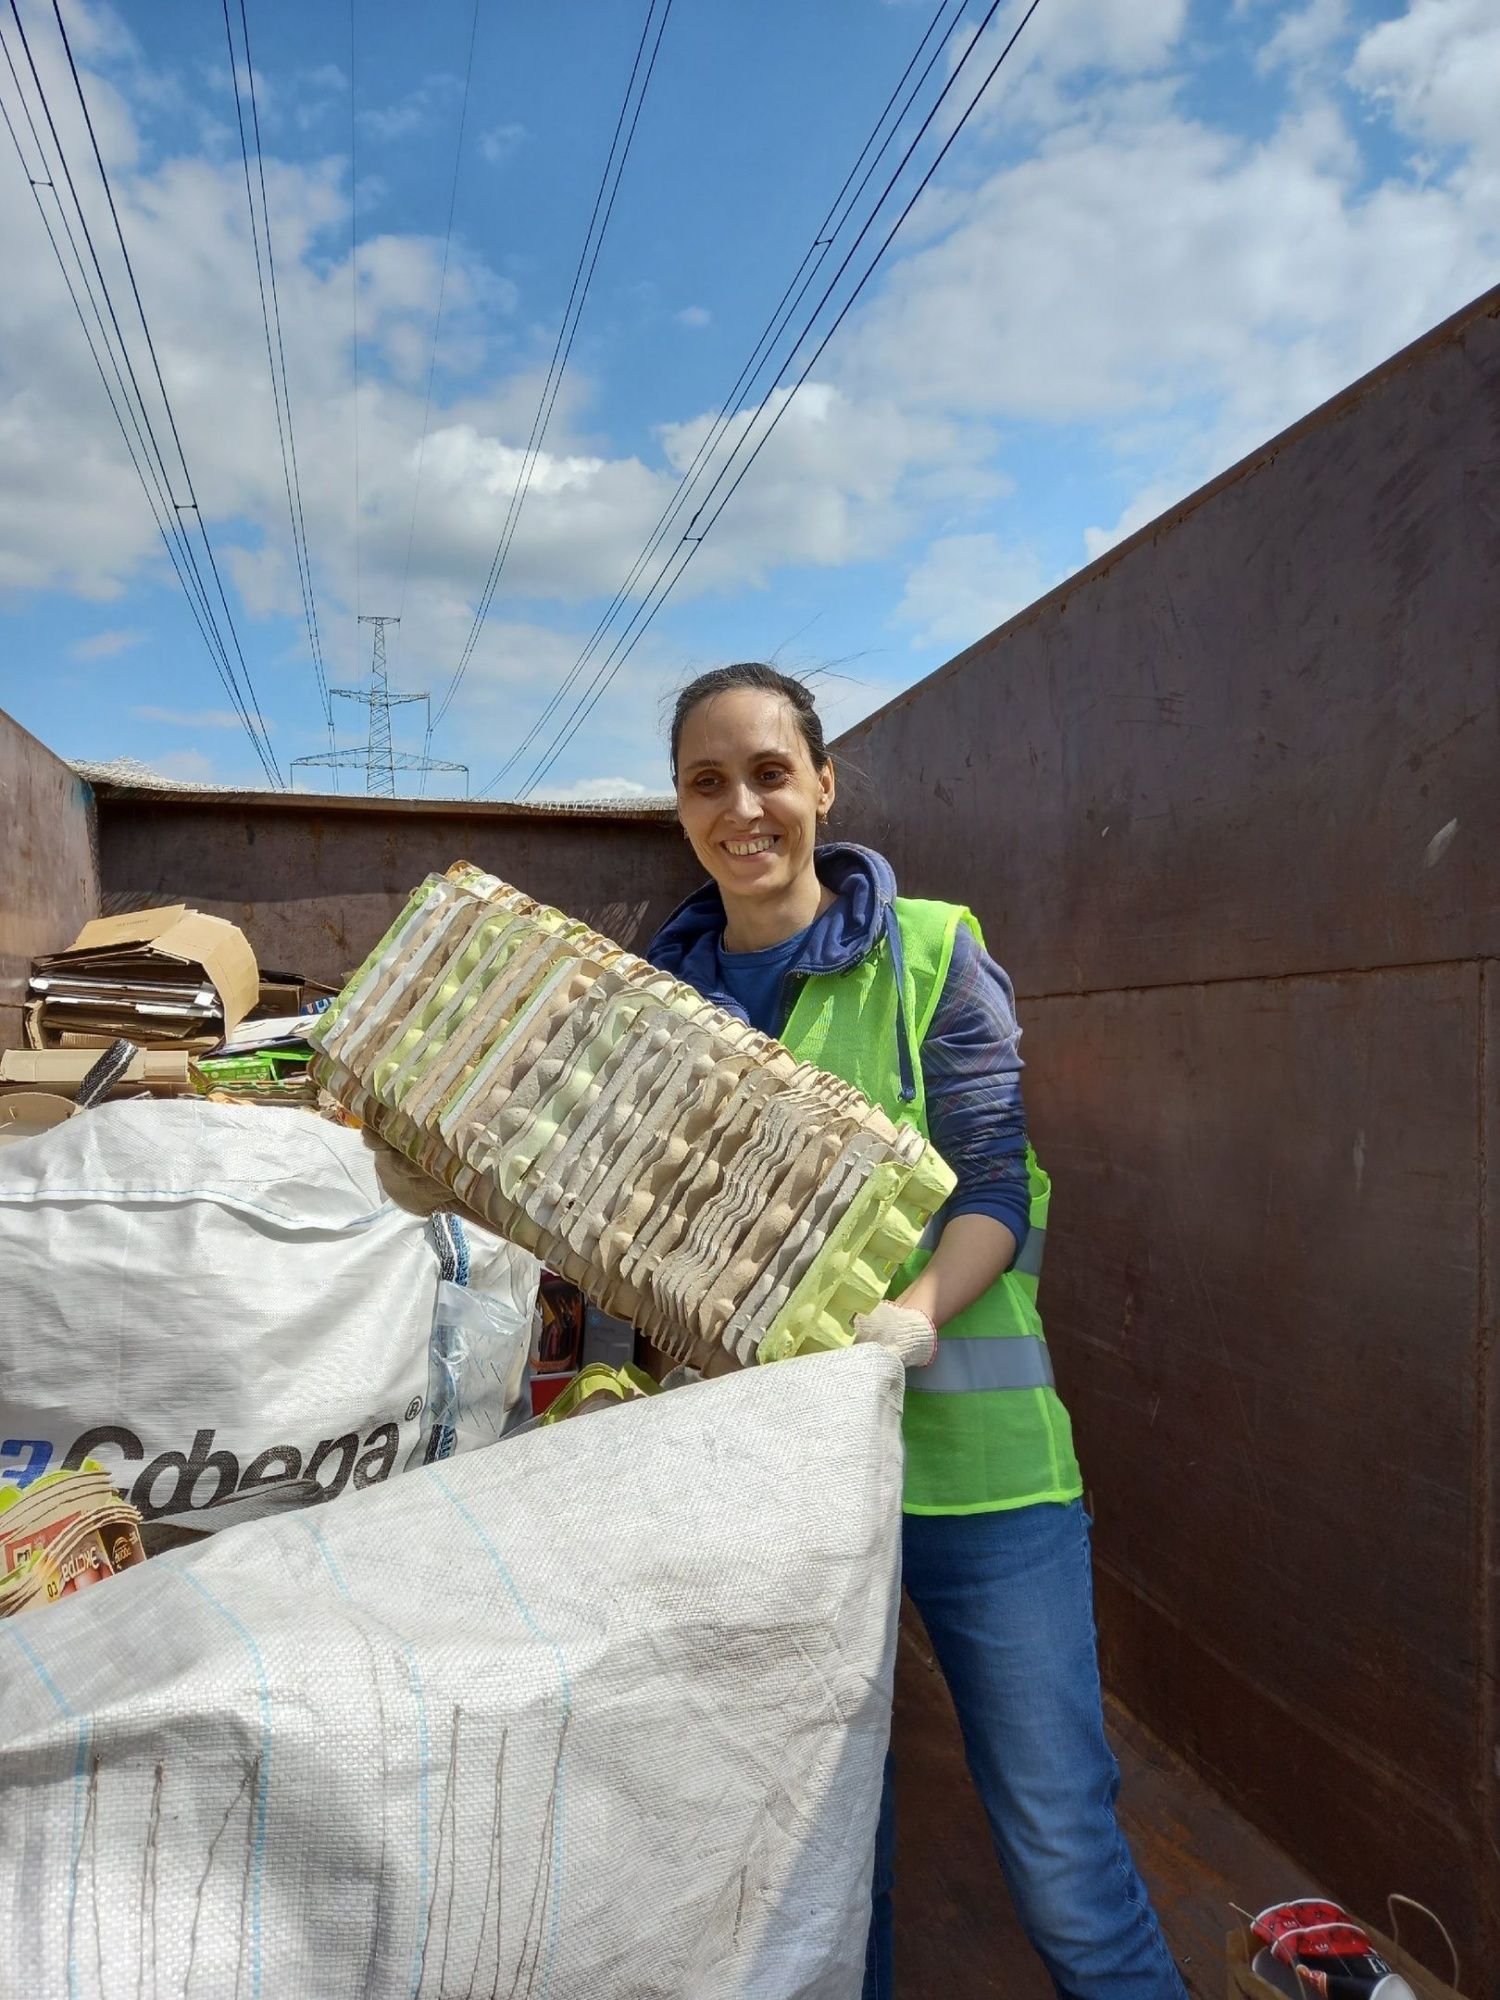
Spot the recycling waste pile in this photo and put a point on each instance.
(398, 1686)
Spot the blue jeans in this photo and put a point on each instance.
(1008, 1603)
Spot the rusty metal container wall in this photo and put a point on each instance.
(49, 884)
(314, 882)
(1228, 805)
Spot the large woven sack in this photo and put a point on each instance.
(213, 1300)
(596, 1714)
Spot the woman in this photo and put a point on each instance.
(810, 944)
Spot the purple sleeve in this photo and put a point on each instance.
(971, 1072)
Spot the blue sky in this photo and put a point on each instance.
(1171, 228)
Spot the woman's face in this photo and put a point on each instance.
(747, 794)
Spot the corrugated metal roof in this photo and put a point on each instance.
(127, 776)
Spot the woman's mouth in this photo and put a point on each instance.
(741, 849)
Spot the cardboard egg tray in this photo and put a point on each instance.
(688, 1173)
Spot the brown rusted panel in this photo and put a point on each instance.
(1262, 1289)
(48, 885)
(1486, 1768)
(315, 885)
(1260, 737)
(1282, 1773)
(957, 1937)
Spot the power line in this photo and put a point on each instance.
(144, 452)
(166, 524)
(354, 288)
(604, 200)
(692, 540)
(824, 237)
(276, 353)
(437, 317)
(163, 508)
(437, 327)
(156, 367)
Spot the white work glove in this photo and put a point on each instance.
(908, 1334)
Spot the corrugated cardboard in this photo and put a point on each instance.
(145, 969)
(165, 1072)
(288, 993)
(28, 1113)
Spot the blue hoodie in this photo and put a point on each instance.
(970, 1064)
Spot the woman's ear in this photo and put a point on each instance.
(828, 787)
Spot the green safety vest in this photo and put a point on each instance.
(984, 1426)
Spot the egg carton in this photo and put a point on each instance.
(688, 1173)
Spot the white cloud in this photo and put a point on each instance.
(583, 789)
(1437, 67)
(502, 142)
(1174, 292)
(1304, 35)
(185, 766)
(1069, 43)
(695, 317)
(197, 718)
(966, 585)
(412, 113)
(104, 645)
(830, 485)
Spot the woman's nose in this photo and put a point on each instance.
(744, 803)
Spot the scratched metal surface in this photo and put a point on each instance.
(48, 884)
(1229, 807)
(1263, 736)
(315, 883)
(957, 1937)
(1262, 1289)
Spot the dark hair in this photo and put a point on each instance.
(765, 680)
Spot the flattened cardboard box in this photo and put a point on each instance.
(174, 946)
(164, 1072)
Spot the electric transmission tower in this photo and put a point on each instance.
(380, 758)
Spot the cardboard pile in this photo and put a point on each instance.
(688, 1174)
(164, 979)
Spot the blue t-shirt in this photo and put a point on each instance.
(755, 979)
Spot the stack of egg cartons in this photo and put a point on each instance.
(689, 1174)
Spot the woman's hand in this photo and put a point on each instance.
(972, 1252)
(904, 1331)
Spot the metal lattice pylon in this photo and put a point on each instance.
(380, 759)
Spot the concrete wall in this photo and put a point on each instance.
(315, 881)
(1228, 805)
(48, 881)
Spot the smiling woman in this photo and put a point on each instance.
(754, 784)
(811, 943)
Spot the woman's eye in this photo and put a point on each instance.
(772, 775)
(705, 783)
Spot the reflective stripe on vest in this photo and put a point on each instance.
(994, 1450)
(1020, 1362)
(1028, 1262)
